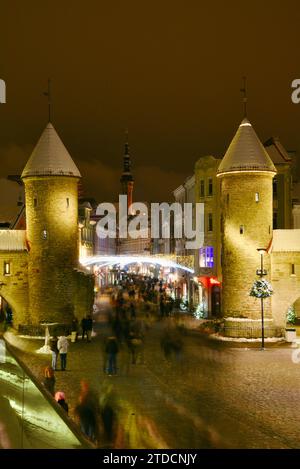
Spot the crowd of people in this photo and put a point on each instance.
(134, 308)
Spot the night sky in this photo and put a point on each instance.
(169, 71)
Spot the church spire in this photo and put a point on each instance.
(127, 180)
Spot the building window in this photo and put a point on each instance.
(68, 202)
(35, 202)
(210, 222)
(210, 187)
(202, 188)
(227, 199)
(241, 229)
(206, 256)
(275, 220)
(293, 271)
(6, 268)
(256, 196)
(44, 234)
(275, 187)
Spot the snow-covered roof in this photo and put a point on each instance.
(285, 241)
(50, 157)
(13, 240)
(246, 153)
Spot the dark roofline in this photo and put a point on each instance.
(275, 141)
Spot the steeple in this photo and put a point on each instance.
(126, 175)
(127, 180)
(50, 157)
(246, 153)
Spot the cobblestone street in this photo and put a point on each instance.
(213, 396)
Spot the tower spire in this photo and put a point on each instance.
(48, 93)
(127, 180)
(245, 98)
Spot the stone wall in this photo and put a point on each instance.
(286, 285)
(14, 287)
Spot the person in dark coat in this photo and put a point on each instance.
(83, 327)
(89, 327)
(111, 351)
(88, 411)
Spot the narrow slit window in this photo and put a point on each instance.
(256, 197)
(35, 202)
(210, 222)
(6, 268)
(44, 234)
(68, 202)
(241, 229)
(293, 272)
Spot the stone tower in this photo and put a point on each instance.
(51, 190)
(246, 174)
(127, 180)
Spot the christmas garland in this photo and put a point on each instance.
(261, 289)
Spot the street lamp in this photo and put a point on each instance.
(261, 272)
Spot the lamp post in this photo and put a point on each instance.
(261, 272)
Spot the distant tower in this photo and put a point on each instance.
(127, 180)
(51, 190)
(246, 174)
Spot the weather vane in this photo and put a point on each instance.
(244, 91)
(48, 93)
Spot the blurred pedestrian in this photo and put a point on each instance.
(111, 350)
(63, 345)
(49, 379)
(89, 327)
(87, 412)
(74, 330)
(61, 400)
(54, 351)
(83, 328)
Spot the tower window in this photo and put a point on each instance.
(241, 229)
(68, 202)
(227, 199)
(293, 271)
(202, 188)
(210, 187)
(35, 202)
(6, 268)
(210, 222)
(256, 196)
(44, 234)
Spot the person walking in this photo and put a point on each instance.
(62, 345)
(61, 400)
(49, 379)
(88, 411)
(83, 328)
(89, 327)
(54, 351)
(74, 330)
(111, 350)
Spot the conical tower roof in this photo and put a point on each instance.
(246, 153)
(50, 157)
